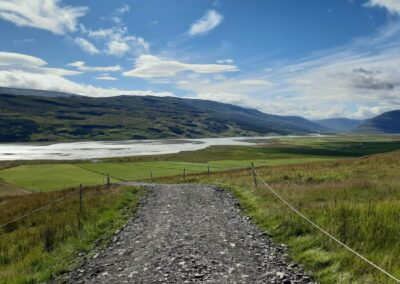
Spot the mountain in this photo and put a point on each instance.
(66, 117)
(388, 122)
(340, 124)
(30, 92)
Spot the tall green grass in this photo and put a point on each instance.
(47, 243)
(356, 200)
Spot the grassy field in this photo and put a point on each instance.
(355, 197)
(59, 175)
(45, 244)
(357, 200)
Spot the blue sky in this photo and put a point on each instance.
(313, 58)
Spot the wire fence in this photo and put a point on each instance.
(184, 169)
(207, 171)
(38, 209)
(326, 233)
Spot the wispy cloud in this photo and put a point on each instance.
(359, 80)
(119, 12)
(117, 41)
(42, 14)
(207, 23)
(225, 61)
(81, 66)
(21, 79)
(25, 71)
(106, 78)
(23, 41)
(28, 63)
(150, 66)
(86, 45)
(393, 6)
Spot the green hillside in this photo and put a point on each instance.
(44, 117)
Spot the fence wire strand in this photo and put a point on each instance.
(322, 230)
(38, 209)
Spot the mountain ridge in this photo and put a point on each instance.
(385, 123)
(68, 117)
(340, 124)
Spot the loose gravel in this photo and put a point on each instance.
(190, 233)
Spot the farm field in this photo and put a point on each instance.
(347, 185)
(357, 200)
(31, 176)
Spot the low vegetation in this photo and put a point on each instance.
(40, 247)
(49, 176)
(330, 179)
(356, 200)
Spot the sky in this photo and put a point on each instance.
(311, 58)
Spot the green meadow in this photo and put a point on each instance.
(49, 176)
(349, 185)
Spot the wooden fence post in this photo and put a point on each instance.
(253, 169)
(108, 181)
(208, 171)
(81, 199)
(184, 174)
(151, 176)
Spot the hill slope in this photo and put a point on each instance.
(340, 124)
(69, 118)
(388, 122)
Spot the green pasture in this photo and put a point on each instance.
(55, 176)
(48, 177)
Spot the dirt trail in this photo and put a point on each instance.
(190, 234)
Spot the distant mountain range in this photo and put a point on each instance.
(35, 115)
(32, 115)
(30, 92)
(388, 122)
(340, 124)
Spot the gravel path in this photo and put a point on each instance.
(190, 234)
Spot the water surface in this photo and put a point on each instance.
(108, 149)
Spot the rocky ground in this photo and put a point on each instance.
(190, 234)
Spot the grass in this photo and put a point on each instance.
(357, 200)
(40, 247)
(49, 177)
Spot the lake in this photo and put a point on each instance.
(109, 149)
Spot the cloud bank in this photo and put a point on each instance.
(150, 66)
(47, 15)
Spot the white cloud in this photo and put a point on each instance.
(25, 71)
(23, 41)
(118, 42)
(106, 78)
(225, 61)
(18, 61)
(86, 46)
(8, 58)
(116, 18)
(209, 21)
(80, 65)
(117, 47)
(393, 6)
(358, 80)
(231, 90)
(256, 82)
(150, 66)
(42, 14)
(21, 79)
(125, 8)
